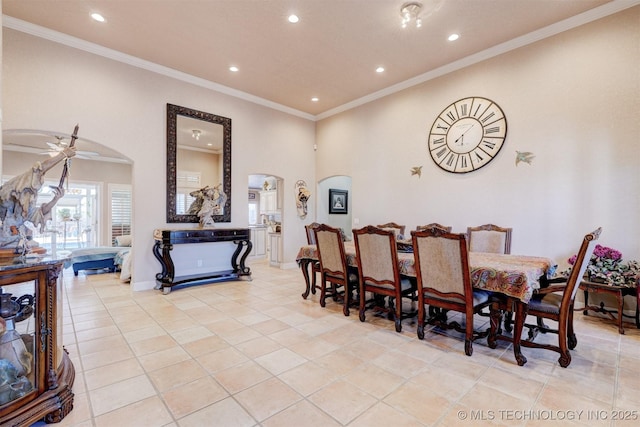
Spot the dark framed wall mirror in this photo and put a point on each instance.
(198, 155)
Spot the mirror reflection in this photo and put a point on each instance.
(198, 160)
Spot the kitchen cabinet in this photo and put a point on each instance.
(269, 202)
(259, 241)
(275, 249)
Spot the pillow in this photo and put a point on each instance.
(125, 268)
(123, 240)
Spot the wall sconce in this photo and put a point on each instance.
(196, 134)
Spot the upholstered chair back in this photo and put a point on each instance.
(489, 238)
(441, 263)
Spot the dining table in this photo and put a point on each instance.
(517, 277)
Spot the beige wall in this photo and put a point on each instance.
(573, 100)
(1, 67)
(50, 86)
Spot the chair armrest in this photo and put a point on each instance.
(545, 282)
(551, 289)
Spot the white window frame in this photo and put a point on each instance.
(121, 188)
(186, 182)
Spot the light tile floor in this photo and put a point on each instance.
(257, 354)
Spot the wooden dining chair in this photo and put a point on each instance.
(444, 281)
(315, 266)
(379, 274)
(446, 228)
(333, 267)
(489, 238)
(555, 302)
(396, 228)
(311, 237)
(434, 311)
(493, 239)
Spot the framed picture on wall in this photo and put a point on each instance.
(338, 201)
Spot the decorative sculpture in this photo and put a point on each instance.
(209, 201)
(524, 156)
(18, 212)
(302, 196)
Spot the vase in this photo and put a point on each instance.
(14, 351)
(8, 307)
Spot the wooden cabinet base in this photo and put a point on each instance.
(51, 406)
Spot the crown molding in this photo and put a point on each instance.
(543, 33)
(551, 30)
(67, 40)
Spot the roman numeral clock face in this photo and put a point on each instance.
(467, 135)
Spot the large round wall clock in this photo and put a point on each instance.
(467, 135)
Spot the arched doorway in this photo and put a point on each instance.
(265, 213)
(96, 207)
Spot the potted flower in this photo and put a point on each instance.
(606, 266)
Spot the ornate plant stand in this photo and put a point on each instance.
(617, 291)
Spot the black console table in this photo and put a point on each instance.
(165, 239)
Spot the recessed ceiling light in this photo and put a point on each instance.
(380, 70)
(233, 68)
(97, 17)
(315, 99)
(453, 37)
(293, 19)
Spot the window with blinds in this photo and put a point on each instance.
(120, 207)
(186, 182)
(188, 179)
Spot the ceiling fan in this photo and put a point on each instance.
(61, 144)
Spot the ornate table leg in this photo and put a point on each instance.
(620, 297)
(164, 280)
(241, 269)
(304, 266)
(521, 315)
(638, 304)
(495, 316)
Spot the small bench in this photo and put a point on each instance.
(93, 259)
(99, 264)
(617, 291)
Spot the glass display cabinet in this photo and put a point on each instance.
(36, 374)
